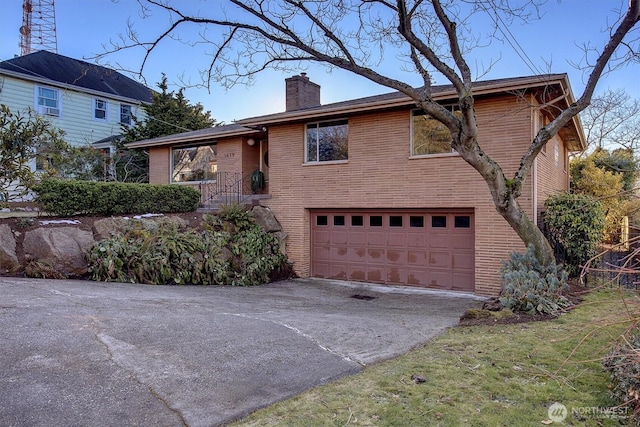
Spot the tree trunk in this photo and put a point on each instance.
(528, 232)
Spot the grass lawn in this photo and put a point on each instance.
(498, 375)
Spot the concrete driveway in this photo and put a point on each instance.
(80, 353)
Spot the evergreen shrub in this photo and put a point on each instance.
(529, 286)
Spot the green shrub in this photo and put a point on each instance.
(623, 364)
(233, 217)
(66, 198)
(255, 254)
(529, 286)
(574, 223)
(163, 254)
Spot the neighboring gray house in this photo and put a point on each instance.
(87, 101)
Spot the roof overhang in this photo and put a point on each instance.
(202, 136)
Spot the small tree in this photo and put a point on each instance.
(169, 113)
(574, 224)
(22, 137)
(609, 178)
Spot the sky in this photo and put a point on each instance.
(86, 27)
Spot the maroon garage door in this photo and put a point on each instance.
(425, 248)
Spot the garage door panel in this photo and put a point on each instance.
(417, 277)
(357, 254)
(415, 257)
(416, 238)
(438, 240)
(439, 259)
(461, 241)
(462, 281)
(375, 275)
(397, 239)
(356, 273)
(462, 261)
(322, 236)
(339, 253)
(439, 279)
(397, 257)
(397, 276)
(376, 238)
(375, 255)
(412, 247)
(339, 237)
(322, 253)
(358, 238)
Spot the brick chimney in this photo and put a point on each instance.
(301, 93)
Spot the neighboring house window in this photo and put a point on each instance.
(100, 109)
(48, 101)
(194, 163)
(125, 114)
(327, 141)
(428, 135)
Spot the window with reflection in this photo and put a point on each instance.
(327, 141)
(429, 136)
(194, 163)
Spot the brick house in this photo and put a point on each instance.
(370, 189)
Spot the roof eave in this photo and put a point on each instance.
(191, 139)
(402, 101)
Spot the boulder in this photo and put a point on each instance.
(62, 248)
(266, 219)
(106, 226)
(282, 238)
(8, 256)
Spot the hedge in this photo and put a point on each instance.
(66, 198)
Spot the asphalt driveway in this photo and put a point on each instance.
(79, 353)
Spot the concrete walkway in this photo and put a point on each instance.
(80, 353)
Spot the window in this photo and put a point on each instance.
(125, 114)
(48, 101)
(439, 221)
(428, 135)
(194, 163)
(416, 221)
(326, 142)
(338, 220)
(100, 109)
(375, 221)
(463, 221)
(322, 220)
(357, 221)
(395, 221)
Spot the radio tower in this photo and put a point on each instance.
(38, 30)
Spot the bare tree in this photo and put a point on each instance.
(612, 121)
(431, 37)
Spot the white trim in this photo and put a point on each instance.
(317, 123)
(95, 108)
(44, 110)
